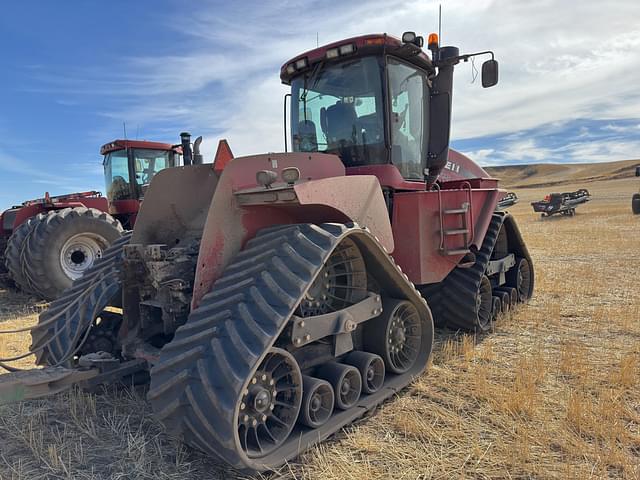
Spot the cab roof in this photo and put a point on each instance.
(122, 144)
(373, 44)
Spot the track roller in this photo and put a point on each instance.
(371, 368)
(395, 335)
(496, 307)
(513, 295)
(346, 383)
(505, 298)
(317, 402)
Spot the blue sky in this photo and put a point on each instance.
(74, 71)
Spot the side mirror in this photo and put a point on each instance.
(489, 73)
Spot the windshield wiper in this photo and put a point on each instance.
(313, 80)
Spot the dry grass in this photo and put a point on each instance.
(554, 392)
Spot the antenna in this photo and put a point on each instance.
(440, 23)
(124, 128)
(317, 39)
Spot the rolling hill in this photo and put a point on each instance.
(548, 174)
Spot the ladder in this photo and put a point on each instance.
(463, 232)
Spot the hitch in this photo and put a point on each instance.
(95, 369)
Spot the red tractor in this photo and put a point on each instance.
(276, 298)
(49, 242)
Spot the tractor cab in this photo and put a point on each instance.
(380, 103)
(129, 166)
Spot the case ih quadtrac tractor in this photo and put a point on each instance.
(49, 242)
(276, 298)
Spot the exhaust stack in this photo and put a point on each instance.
(197, 156)
(187, 157)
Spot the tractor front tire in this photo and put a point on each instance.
(635, 203)
(64, 245)
(13, 254)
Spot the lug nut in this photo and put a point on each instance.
(245, 418)
(297, 341)
(254, 422)
(264, 418)
(301, 323)
(254, 380)
(263, 377)
(272, 381)
(307, 337)
(242, 406)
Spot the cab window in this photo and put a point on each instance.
(408, 92)
(116, 170)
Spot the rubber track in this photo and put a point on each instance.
(39, 240)
(15, 250)
(203, 371)
(68, 317)
(454, 305)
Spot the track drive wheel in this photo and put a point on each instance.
(395, 335)
(270, 405)
(65, 244)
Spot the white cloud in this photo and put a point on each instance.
(559, 61)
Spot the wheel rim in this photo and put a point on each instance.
(403, 338)
(79, 252)
(484, 303)
(270, 405)
(524, 280)
(341, 282)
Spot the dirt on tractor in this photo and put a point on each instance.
(552, 392)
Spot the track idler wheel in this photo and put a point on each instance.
(346, 383)
(519, 277)
(484, 304)
(371, 368)
(270, 404)
(317, 402)
(395, 335)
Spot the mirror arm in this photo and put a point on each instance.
(464, 58)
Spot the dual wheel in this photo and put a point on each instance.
(279, 395)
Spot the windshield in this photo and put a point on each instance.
(339, 109)
(150, 162)
(146, 164)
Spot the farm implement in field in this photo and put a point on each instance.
(561, 203)
(509, 200)
(273, 299)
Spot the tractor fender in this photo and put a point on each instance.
(323, 194)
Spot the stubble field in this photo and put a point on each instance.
(553, 392)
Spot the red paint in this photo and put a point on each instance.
(223, 156)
